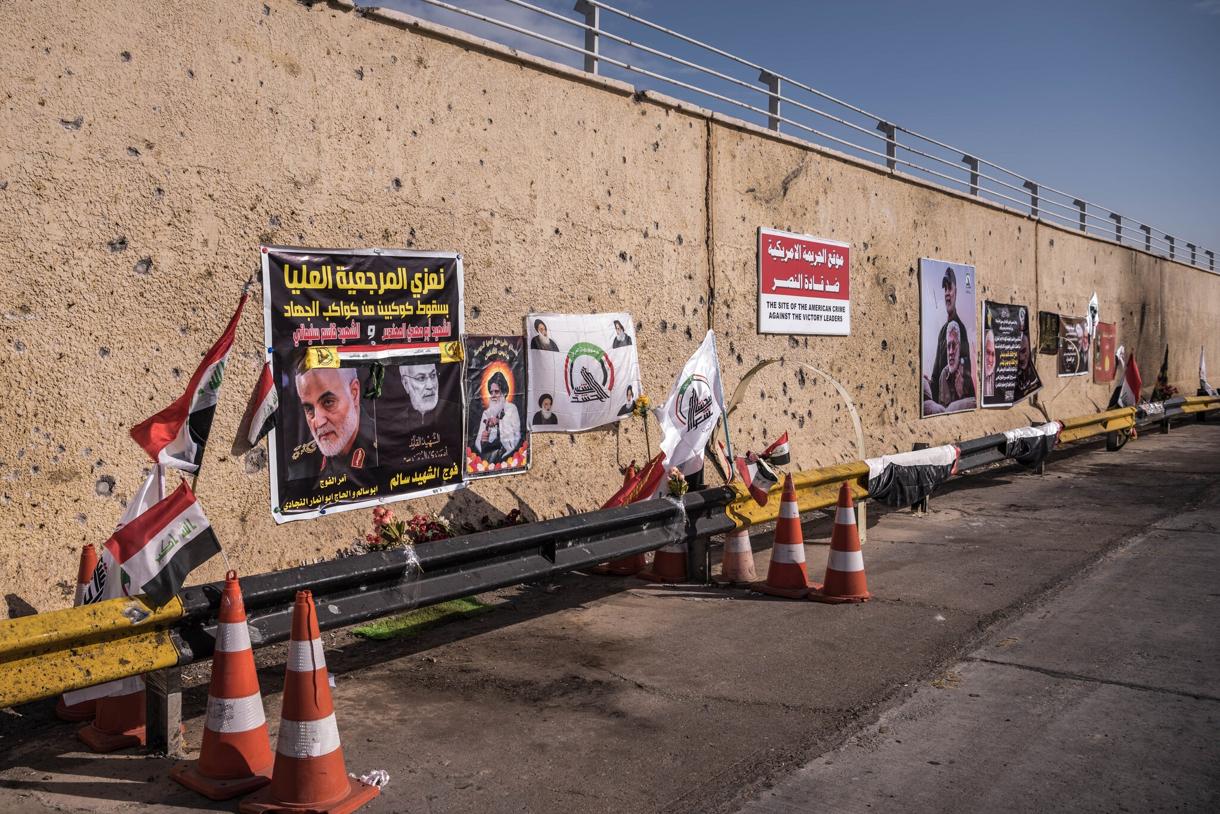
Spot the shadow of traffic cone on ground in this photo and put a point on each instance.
(84, 574)
(309, 773)
(119, 720)
(668, 564)
(786, 576)
(737, 565)
(235, 757)
(845, 580)
(623, 567)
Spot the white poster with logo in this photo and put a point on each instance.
(583, 370)
(695, 404)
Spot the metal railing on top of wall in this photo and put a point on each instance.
(758, 95)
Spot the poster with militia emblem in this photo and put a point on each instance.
(497, 437)
(366, 360)
(583, 370)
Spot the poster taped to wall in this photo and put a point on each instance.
(364, 352)
(947, 319)
(497, 437)
(1009, 373)
(1048, 333)
(804, 284)
(1074, 346)
(1104, 344)
(583, 370)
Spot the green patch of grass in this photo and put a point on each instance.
(417, 621)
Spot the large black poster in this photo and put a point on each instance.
(1009, 373)
(365, 352)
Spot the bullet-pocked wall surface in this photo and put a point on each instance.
(147, 150)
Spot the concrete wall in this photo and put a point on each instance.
(145, 151)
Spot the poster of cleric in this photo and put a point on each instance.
(365, 353)
(497, 437)
(1009, 373)
(948, 320)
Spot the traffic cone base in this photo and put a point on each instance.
(816, 595)
(76, 712)
(737, 564)
(668, 565)
(188, 775)
(261, 802)
(119, 724)
(785, 593)
(624, 567)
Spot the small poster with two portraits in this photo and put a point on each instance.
(947, 324)
(497, 437)
(366, 355)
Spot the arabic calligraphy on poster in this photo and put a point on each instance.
(804, 284)
(365, 357)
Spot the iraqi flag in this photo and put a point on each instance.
(694, 406)
(758, 477)
(260, 413)
(778, 454)
(908, 477)
(1030, 446)
(176, 436)
(641, 485)
(154, 552)
(1205, 389)
(1127, 394)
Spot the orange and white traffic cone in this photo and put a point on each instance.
(235, 757)
(786, 576)
(309, 773)
(119, 721)
(668, 564)
(737, 565)
(845, 580)
(84, 574)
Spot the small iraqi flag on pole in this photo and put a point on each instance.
(155, 552)
(778, 454)
(260, 413)
(758, 477)
(176, 436)
(1127, 394)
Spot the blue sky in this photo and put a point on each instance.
(1114, 101)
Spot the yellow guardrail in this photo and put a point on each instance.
(1075, 429)
(815, 489)
(1201, 404)
(49, 653)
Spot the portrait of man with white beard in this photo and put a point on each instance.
(423, 392)
(330, 399)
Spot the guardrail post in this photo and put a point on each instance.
(163, 711)
(891, 143)
(592, 41)
(1211, 260)
(1081, 205)
(973, 163)
(1169, 240)
(1191, 246)
(1118, 227)
(920, 507)
(1033, 198)
(1147, 230)
(773, 93)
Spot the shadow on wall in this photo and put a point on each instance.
(18, 607)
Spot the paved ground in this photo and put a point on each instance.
(1036, 642)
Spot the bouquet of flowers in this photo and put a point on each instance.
(677, 482)
(390, 532)
(641, 406)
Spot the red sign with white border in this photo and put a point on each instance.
(804, 284)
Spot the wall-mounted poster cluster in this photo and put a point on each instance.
(804, 284)
(364, 354)
(947, 319)
(1009, 373)
(583, 370)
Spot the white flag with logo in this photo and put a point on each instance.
(695, 404)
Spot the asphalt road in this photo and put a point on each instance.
(1036, 642)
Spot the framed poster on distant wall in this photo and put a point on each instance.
(947, 322)
(804, 284)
